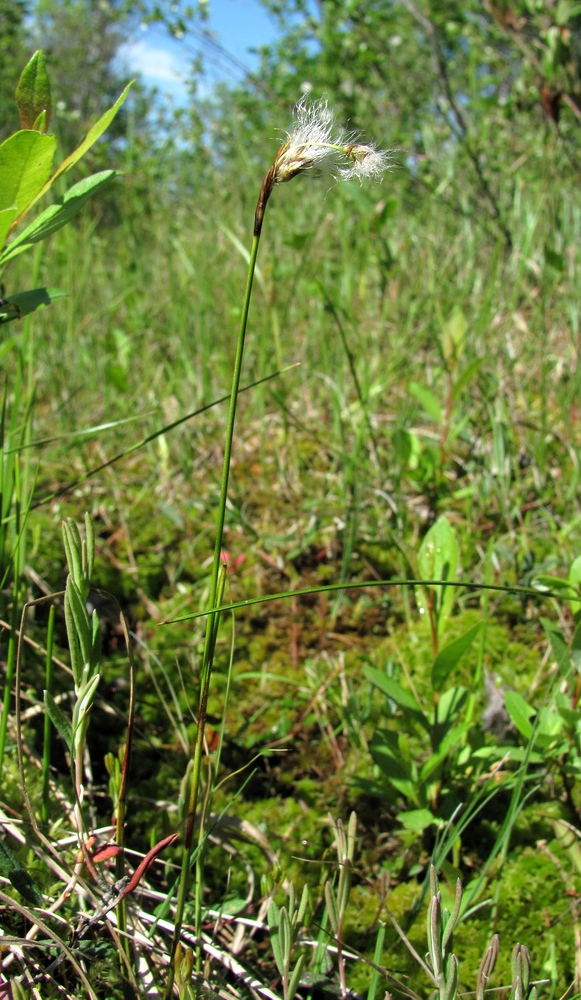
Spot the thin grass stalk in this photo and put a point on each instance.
(47, 723)
(314, 143)
(212, 622)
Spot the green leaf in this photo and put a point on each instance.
(448, 657)
(25, 164)
(519, 712)
(27, 888)
(56, 216)
(451, 741)
(273, 925)
(389, 753)
(428, 401)
(438, 560)
(454, 335)
(33, 93)
(40, 123)
(575, 581)
(7, 217)
(80, 620)
(86, 697)
(61, 724)
(90, 139)
(30, 301)
(295, 977)
(8, 861)
(397, 694)
(416, 820)
(19, 877)
(332, 909)
(450, 704)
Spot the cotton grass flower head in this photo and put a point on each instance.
(318, 143)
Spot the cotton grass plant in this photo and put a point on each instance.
(315, 144)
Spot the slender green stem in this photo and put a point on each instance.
(212, 624)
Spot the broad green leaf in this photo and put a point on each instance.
(90, 139)
(25, 164)
(61, 724)
(438, 560)
(519, 712)
(56, 216)
(417, 820)
(29, 302)
(448, 657)
(33, 93)
(575, 581)
(428, 401)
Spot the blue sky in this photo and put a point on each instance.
(236, 26)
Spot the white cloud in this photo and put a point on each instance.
(159, 67)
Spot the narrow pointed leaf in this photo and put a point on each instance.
(396, 693)
(61, 724)
(273, 923)
(80, 619)
(295, 977)
(57, 215)
(448, 657)
(25, 885)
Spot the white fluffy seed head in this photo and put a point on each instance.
(316, 142)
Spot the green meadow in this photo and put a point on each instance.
(387, 701)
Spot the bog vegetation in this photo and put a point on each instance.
(361, 774)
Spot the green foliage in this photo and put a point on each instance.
(26, 174)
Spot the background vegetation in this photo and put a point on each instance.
(419, 343)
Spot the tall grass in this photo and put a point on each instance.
(339, 468)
